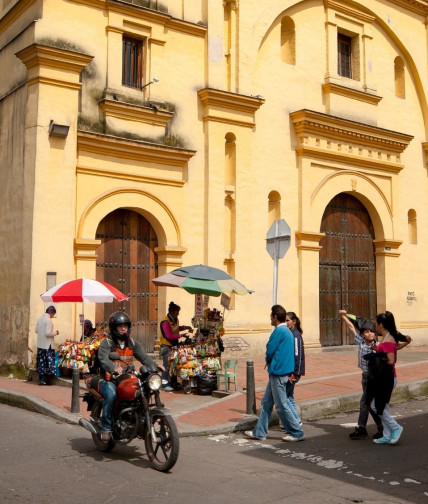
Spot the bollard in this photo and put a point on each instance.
(75, 404)
(251, 389)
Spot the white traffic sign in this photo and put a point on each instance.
(278, 239)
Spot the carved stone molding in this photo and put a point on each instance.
(336, 139)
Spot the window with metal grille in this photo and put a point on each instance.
(344, 54)
(132, 62)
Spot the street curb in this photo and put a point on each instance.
(37, 405)
(309, 410)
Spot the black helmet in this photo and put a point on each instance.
(115, 319)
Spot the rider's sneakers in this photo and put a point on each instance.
(105, 435)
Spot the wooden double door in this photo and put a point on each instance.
(347, 268)
(127, 260)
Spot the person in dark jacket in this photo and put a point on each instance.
(119, 343)
(293, 323)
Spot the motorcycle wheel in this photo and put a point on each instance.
(104, 446)
(163, 450)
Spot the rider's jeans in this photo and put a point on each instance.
(108, 391)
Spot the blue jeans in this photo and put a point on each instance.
(108, 391)
(290, 396)
(389, 424)
(276, 394)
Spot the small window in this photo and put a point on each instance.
(132, 62)
(400, 90)
(412, 226)
(344, 52)
(288, 41)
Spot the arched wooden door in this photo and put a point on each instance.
(347, 269)
(127, 260)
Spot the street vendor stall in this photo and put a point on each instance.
(198, 359)
(79, 355)
(194, 364)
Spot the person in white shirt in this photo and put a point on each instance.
(46, 345)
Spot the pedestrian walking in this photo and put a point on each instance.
(364, 336)
(383, 376)
(280, 365)
(46, 345)
(293, 323)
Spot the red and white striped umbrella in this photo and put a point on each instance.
(83, 289)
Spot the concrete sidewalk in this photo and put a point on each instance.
(332, 385)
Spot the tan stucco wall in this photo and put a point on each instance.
(183, 190)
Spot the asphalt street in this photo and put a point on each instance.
(55, 463)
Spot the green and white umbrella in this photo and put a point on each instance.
(199, 279)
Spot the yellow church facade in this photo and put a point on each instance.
(140, 136)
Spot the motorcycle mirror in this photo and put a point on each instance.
(114, 356)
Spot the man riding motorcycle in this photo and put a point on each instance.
(118, 342)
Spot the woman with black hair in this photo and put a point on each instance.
(383, 376)
(170, 329)
(293, 323)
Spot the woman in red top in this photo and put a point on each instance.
(385, 327)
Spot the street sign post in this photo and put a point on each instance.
(277, 244)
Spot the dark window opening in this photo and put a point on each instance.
(344, 56)
(132, 62)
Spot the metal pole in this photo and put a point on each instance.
(75, 404)
(275, 280)
(275, 264)
(251, 389)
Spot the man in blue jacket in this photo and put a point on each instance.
(280, 364)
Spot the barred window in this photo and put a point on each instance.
(132, 62)
(344, 56)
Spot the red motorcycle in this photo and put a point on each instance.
(137, 413)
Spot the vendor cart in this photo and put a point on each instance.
(194, 364)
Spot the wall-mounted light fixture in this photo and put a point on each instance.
(155, 79)
(58, 130)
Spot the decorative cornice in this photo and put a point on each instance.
(334, 138)
(54, 82)
(170, 256)
(37, 55)
(137, 150)
(349, 11)
(354, 160)
(387, 248)
(307, 240)
(120, 175)
(351, 93)
(417, 6)
(230, 108)
(137, 113)
(14, 13)
(145, 14)
(230, 101)
(85, 249)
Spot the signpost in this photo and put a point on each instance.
(277, 244)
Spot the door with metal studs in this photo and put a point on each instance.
(127, 260)
(347, 268)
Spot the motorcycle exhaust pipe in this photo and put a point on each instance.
(88, 426)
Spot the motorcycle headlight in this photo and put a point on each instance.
(155, 382)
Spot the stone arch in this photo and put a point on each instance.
(361, 187)
(142, 202)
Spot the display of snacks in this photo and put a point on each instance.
(79, 354)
